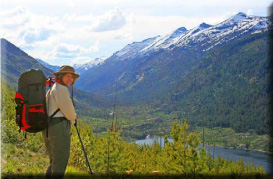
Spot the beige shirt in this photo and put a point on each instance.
(59, 97)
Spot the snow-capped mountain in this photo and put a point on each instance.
(133, 49)
(165, 59)
(234, 27)
(203, 37)
(52, 67)
(80, 68)
(167, 40)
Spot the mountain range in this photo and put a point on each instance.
(215, 73)
(136, 62)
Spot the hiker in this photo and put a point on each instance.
(57, 138)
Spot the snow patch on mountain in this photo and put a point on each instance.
(133, 48)
(80, 68)
(167, 40)
(140, 77)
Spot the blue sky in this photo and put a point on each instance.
(68, 32)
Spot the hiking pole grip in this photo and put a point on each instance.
(88, 164)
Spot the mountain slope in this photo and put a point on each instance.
(14, 62)
(229, 87)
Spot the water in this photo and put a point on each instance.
(258, 158)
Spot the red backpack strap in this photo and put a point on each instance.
(19, 96)
(50, 82)
(21, 118)
(60, 82)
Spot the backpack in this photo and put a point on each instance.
(31, 113)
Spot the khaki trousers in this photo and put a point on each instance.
(57, 146)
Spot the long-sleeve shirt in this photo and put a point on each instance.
(59, 97)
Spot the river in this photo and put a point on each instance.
(258, 158)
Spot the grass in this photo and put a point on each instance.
(24, 162)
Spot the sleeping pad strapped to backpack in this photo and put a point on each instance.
(31, 115)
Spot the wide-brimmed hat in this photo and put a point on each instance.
(67, 69)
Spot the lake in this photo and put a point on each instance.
(258, 158)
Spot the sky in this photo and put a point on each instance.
(76, 32)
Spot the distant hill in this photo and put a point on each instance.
(52, 67)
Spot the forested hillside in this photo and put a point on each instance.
(229, 88)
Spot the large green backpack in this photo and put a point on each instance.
(31, 113)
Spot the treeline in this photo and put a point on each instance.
(111, 155)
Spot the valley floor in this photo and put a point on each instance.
(228, 138)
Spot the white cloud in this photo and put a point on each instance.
(124, 36)
(14, 18)
(78, 18)
(25, 28)
(249, 12)
(31, 36)
(81, 60)
(72, 53)
(113, 20)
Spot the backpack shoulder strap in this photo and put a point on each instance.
(52, 115)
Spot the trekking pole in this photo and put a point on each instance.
(88, 164)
